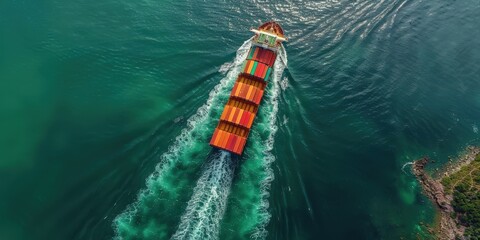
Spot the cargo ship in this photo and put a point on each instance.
(232, 131)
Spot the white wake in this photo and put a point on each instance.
(205, 209)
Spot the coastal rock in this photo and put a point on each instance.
(433, 188)
(446, 227)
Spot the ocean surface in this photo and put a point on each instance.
(107, 107)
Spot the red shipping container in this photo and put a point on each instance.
(243, 119)
(258, 96)
(227, 142)
(231, 144)
(239, 118)
(266, 59)
(228, 139)
(247, 119)
(259, 70)
(248, 115)
(266, 56)
(262, 55)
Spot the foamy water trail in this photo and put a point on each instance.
(205, 209)
(163, 187)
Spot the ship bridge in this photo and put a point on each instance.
(269, 34)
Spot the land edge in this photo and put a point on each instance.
(446, 226)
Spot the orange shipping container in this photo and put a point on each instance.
(237, 120)
(217, 139)
(215, 133)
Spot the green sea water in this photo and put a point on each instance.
(107, 107)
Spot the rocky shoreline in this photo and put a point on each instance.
(447, 227)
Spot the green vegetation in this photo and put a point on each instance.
(465, 187)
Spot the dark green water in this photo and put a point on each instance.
(107, 107)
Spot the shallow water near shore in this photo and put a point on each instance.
(96, 96)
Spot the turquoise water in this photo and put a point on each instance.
(107, 108)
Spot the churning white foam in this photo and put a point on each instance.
(205, 209)
(226, 67)
(284, 83)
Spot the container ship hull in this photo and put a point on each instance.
(236, 120)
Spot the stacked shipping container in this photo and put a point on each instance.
(240, 111)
